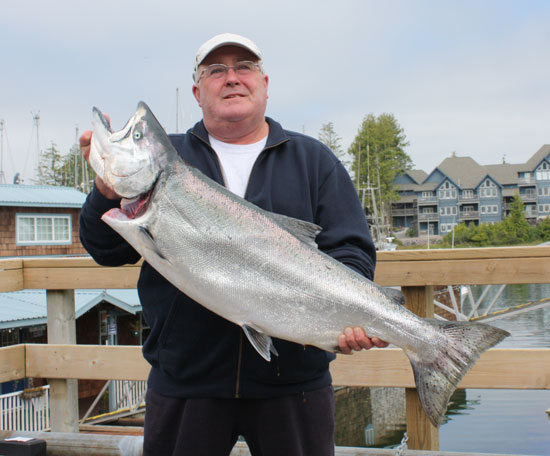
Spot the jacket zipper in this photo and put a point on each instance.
(240, 357)
(239, 362)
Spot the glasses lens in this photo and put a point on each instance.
(244, 67)
(216, 70)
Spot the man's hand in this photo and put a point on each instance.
(104, 189)
(356, 339)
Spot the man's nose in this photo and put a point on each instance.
(231, 76)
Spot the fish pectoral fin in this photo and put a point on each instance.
(260, 341)
(305, 231)
(150, 242)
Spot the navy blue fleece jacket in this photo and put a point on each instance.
(195, 353)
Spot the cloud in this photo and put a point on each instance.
(470, 77)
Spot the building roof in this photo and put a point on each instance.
(534, 161)
(418, 175)
(40, 196)
(505, 174)
(463, 171)
(29, 307)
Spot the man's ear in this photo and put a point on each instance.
(197, 93)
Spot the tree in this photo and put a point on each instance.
(328, 136)
(378, 153)
(70, 170)
(516, 226)
(50, 167)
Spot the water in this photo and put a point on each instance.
(506, 421)
(478, 420)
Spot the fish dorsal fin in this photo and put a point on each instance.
(260, 341)
(305, 231)
(394, 294)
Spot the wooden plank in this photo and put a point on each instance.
(62, 330)
(497, 368)
(61, 278)
(462, 272)
(241, 449)
(388, 367)
(95, 362)
(12, 363)
(11, 275)
(423, 435)
(465, 254)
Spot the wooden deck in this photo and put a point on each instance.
(415, 271)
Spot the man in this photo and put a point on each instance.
(207, 384)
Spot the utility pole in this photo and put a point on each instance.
(36, 119)
(2, 176)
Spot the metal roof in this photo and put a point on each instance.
(40, 196)
(29, 307)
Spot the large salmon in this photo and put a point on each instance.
(261, 270)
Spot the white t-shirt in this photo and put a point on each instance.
(236, 161)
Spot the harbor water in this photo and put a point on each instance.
(478, 420)
(506, 421)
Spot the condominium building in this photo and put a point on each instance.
(462, 190)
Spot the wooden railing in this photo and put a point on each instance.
(61, 361)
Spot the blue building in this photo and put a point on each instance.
(461, 190)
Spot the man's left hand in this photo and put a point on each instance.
(355, 339)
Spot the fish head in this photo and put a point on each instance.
(131, 159)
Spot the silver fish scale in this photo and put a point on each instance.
(237, 261)
(258, 269)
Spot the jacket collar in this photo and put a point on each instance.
(275, 137)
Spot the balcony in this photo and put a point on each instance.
(528, 197)
(428, 216)
(427, 200)
(468, 215)
(527, 181)
(468, 199)
(407, 212)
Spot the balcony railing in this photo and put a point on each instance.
(469, 215)
(62, 362)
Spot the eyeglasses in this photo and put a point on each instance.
(219, 70)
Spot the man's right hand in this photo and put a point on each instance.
(106, 190)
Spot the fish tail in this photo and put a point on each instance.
(437, 376)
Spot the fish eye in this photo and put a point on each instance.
(137, 135)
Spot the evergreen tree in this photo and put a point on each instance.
(378, 153)
(328, 136)
(50, 167)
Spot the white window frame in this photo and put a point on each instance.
(489, 209)
(488, 189)
(447, 191)
(57, 237)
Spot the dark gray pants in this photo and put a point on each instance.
(296, 425)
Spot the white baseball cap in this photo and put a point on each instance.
(224, 39)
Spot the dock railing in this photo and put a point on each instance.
(61, 361)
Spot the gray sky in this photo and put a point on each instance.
(471, 77)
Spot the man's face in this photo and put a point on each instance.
(232, 98)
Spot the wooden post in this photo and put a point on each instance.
(62, 330)
(423, 435)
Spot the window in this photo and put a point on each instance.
(427, 194)
(544, 208)
(43, 229)
(488, 189)
(448, 210)
(447, 191)
(543, 171)
(447, 227)
(490, 209)
(543, 191)
(467, 193)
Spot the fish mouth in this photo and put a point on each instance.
(137, 206)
